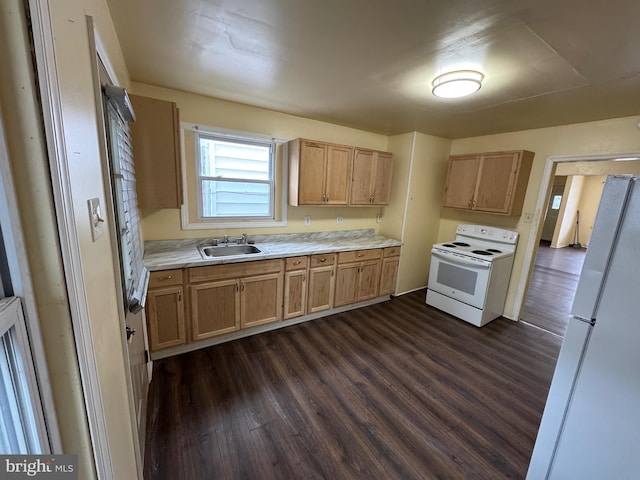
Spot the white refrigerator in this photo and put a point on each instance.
(590, 428)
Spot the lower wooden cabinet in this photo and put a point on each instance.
(165, 317)
(165, 310)
(226, 298)
(389, 272)
(322, 282)
(222, 299)
(357, 276)
(295, 287)
(260, 299)
(215, 308)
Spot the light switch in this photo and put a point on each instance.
(95, 218)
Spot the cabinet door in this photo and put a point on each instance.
(381, 181)
(295, 293)
(496, 182)
(311, 188)
(368, 280)
(388, 275)
(321, 288)
(361, 179)
(260, 299)
(460, 183)
(156, 147)
(338, 174)
(215, 308)
(346, 284)
(165, 317)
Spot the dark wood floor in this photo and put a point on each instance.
(396, 390)
(553, 285)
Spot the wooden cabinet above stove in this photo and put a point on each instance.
(494, 182)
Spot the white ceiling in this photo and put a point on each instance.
(369, 64)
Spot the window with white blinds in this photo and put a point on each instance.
(133, 271)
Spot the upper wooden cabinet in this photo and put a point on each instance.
(371, 179)
(156, 153)
(319, 173)
(493, 182)
(326, 174)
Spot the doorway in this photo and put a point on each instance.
(556, 264)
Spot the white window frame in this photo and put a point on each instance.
(280, 180)
(24, 383)
(271, 182)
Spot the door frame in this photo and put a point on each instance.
(96, 45)
(51, 102)
(546, 184)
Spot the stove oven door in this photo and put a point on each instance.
(460, 277)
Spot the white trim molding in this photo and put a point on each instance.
(186, 222)
(538, 218)
(70, 248)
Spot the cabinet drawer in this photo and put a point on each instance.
(233, 270)
(391, 252)
(296, 263)
(323, 259)
(359, 255)
(163, 278)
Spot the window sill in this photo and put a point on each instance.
(210, 225)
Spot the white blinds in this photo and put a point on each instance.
(134, 274)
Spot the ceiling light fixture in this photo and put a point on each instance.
(459, 83)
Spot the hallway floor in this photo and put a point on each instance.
(552, 287)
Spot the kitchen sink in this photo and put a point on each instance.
(228, 250)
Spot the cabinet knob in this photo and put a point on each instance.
(323, 259)
(297, 262)
(360, 255)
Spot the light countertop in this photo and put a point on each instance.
(168, 254)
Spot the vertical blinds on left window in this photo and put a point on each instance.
(135, 276)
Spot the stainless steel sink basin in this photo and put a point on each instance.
(228, 250)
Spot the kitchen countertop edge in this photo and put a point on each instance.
(173, 254)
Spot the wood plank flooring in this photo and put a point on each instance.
(552, 287)
(396, 390)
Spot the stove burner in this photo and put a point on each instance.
(494, 250)
(461, 244)
(448, 245)
(481, 252)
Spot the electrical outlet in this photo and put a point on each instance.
(95, 218)
(307, 220)
(528, 217)
(339, 220)
(379, 218)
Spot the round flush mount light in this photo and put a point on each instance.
(457, 84)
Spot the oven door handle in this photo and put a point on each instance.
(461, 260)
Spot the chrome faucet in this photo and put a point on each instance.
(225, 239)
(244, 239)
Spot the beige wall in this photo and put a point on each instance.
(415, 206)
(79, 121)
(28, 157)
(166, 224)
(565, 235)
(602, 137)
(589, 201)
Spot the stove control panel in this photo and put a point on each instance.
(488, 233)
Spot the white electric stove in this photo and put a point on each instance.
(469, 276)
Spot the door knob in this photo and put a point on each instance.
(130, 331)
